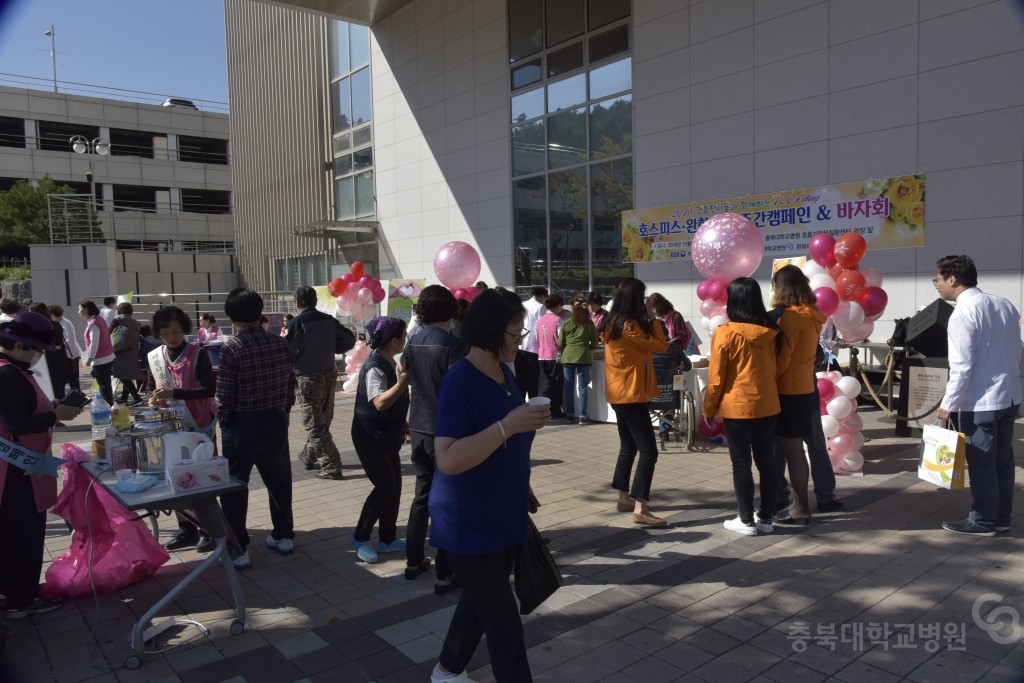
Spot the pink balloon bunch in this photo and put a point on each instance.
(354, 360)
(852, 297)
(713, 295)
(357, 293)
(840, 422)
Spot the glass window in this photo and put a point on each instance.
(344, 203)
(343, 165)
(524, 28)
(361, 137)
(601, 12)
(565, 60)
(611, 193)
(363, 159)
(611, 78)
(611, 43)
(342, 143)
(339, 49)
(526, 74)
(567, 138)
(365, 205)
(563, 20)
(528, 148)
(361, 97)
(528, 105)
(360, 38)
(530, 232)
(611, 127)
(570, 258)
(566, 93)
(341, 106)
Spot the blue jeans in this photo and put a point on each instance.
(989, 436)
(577, 385)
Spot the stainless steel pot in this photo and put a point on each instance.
(146, 435)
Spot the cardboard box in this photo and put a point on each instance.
(192, 476)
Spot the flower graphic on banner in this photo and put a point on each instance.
(906, 195)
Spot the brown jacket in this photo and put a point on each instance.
(801, 327)
(741, 379)
(629, 367)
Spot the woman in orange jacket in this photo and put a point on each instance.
(631, 339)
(742, 389)
(801, 323)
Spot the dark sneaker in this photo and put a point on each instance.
(206, 544)
(413, 572)
(830, 505)
(41, 605)
(324, 474)
(446, 586)
(585, 420)
(310, 465)
(1002, 529)
(184, 539)
(967, 527)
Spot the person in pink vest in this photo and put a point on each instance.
(208, 330)
(184, 372)
(99, 350)
(26, 421)
(552, 381)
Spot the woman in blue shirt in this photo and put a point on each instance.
(481, 490)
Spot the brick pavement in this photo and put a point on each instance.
(689, 602)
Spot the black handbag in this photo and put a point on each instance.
(537, 577)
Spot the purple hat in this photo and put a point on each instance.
(383, 329)
(31, 329)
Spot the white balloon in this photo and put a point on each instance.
(705, 323)
(853, 462)
(821, 375)
(839, 407)
(811, 268)
(872, 277)
(858, 441)
(849, 387)
(829, 425)
(849, 316)
(715, 322)
(822, 280)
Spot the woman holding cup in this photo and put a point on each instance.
(481, 490)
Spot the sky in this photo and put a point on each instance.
(171, 48)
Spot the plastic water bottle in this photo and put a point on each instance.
(99, 417)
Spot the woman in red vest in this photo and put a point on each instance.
(99, 350)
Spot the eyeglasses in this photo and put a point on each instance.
(935, 281)
(520, 337)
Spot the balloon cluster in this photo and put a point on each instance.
(712, 430)
(457, 266)
(353, 361)
(840, 422)
(853, 297)
(726, 246)
(356, 293)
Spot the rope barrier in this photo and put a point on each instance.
(890, 362)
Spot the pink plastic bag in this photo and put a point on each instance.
(124, 550)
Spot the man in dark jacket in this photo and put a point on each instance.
(315, 339)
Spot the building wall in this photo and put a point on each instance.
(277, 84)
(735, 97)
(441, 134)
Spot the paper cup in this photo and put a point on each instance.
(539, 401)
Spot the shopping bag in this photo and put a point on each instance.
(537, 577)
(943, 457)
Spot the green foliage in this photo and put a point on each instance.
(16, 273)
(23, 213)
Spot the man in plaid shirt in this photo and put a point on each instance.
(255, 390)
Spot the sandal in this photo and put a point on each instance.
(648, 519)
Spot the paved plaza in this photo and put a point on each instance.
(875, 592)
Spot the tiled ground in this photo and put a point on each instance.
(690, 602)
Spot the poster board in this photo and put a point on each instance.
(402, 296)
(922, 385)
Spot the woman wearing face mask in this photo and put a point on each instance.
(27, 418)
(378, 431)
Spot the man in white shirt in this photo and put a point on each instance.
(983, 394)
(527, 363)
(109, 310)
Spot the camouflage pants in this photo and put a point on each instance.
(315, 397)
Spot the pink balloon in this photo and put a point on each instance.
(873, 277)
(827, 300)
(364, 295)
(859, 333)
(728, 246)
(718, 292)
(848, 316)
(472, 293)
(839, 407)
(834, 376)
(709, 428)
(702, 290)
(378, 295)
(348, 277)
(823, 407)
(364, 282)
(457, 265)
(460, 294)
(826, 390)
(708, 308)
(873, 301)
(852, 424)
(840, 445)
(822, 249)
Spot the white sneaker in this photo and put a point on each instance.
(283, 546)
(737, 526)
(438, 676)
(763, 527)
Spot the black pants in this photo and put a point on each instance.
(74, 380)
(128, 387)
(419, 513)
(552, 384)
(384, 470)
(487, 607)
(527, 367)
(103, 374)
(989, 436)
(757, 437)
(259, 439)
(22, 536)
(635, 433)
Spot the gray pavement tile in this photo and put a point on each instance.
(739, 628)
(650, 670)
(301, 644)
(212, 672)
(1002, 674)
(860, 671)
(958, 666)
(553, 653)
(723, 669)
(185, 658)
(282, 672)
(424, 649)
(712, 641)
(788, 671)
(586, 670)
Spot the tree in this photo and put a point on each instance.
(23, 212)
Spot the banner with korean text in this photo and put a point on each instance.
(888, 212)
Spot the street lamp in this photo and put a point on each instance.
(100, 146)
(52, 35)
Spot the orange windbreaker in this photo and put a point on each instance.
(628, 363)
(801, 327)
(741, 379)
